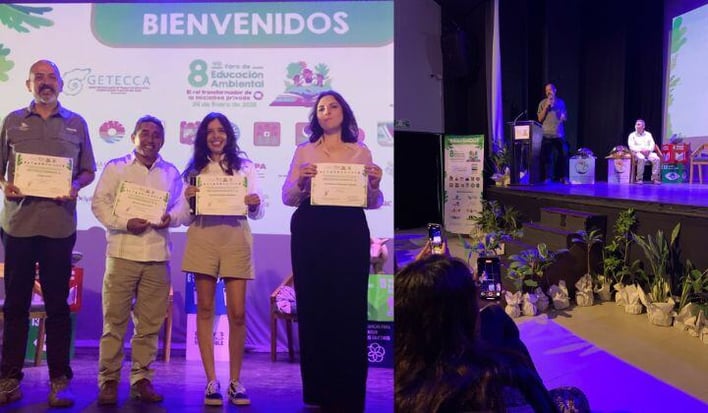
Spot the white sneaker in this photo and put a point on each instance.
(212, 394)
(237, 394)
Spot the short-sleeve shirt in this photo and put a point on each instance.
(552, 124)
(63, 134)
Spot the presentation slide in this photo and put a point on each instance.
(686, 102)
(260, 63)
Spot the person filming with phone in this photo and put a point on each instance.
(452, 357)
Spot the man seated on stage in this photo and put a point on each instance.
(642, 145)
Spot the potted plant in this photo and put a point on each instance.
(617, 269)
(501, 159)
(658, 300)
(527, 267)
(525, 270)
(584, 286)
(693, 302)
(493, 227)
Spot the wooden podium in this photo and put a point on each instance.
(526, 162)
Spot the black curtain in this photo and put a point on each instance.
(417, 179)
(604, 56)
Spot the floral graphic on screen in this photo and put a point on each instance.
(20, 19)
(111, 131)
(5, 64)
(303, 84)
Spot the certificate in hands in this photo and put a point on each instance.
(221, 195)
(137, 201)
(339, 184)
(43, 176)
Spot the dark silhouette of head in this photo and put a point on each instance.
(435, 309)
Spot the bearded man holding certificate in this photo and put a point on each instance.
(137, 197)
(45, 159)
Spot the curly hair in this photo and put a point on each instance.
(350, 129)
(200, 159)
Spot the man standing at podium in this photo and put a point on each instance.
(554, 148)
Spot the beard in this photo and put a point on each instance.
(46, 98)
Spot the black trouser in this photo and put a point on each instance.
(554, 155)
(54, 258)
(330, 257)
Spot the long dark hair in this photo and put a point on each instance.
(350, 129)
(438, 366)
(200, 158)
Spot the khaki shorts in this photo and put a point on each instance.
(220, 246)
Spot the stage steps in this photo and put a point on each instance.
(557, 229)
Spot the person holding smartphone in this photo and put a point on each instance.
(330, 261)
(221, 246)
(474, 360)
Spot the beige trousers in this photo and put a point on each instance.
(144, 288)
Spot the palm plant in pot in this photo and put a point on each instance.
(657, 298)
(584, 286)
(693, 302)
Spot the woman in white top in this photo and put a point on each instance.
(221, 246)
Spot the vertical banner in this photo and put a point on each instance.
(464, 163)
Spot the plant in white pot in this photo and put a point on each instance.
(617, 271)
(693, 302)
(526, 269)
(494, 226)
(501, 159)
(627, 289)
(658, 300)
(584, 286)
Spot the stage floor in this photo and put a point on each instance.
(274, 387)
(688, 198)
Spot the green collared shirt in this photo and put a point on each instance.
(64, 134)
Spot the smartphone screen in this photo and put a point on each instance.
(489, 275)
(435, 235)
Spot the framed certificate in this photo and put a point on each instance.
(137, 201)
(42, 175)
(339, 184)
(221, 195)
